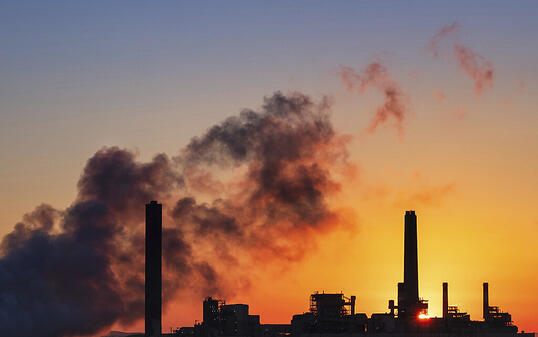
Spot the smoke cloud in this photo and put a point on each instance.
(243, 191)
(445, 32)
(440, 96)
(376, 76)
(287, 151)
(426, 195)
(476, 66)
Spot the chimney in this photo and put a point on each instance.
(485, 301)
(445, 300)
(153, 305)
(352, 303)
(410, 258)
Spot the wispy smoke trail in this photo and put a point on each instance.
(477, 67)
(435, 43)
(426, 195)
(375, 75)
(77, 271)
(459, 112)
(441, 97)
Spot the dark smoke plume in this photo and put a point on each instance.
(287, 150)
(375, 75)
(245, 190)
(86, 274)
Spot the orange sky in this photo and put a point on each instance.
(466, 160)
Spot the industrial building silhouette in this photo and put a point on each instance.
(331, 315)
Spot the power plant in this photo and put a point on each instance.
(330, 314)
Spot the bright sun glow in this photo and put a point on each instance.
(423, 316)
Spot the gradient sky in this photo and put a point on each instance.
(75, 77)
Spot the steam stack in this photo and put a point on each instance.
(445, 300)
(153, 304)
(411, 258)
(410, 306)
(485, 301)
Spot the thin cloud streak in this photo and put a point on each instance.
(474, 65)
(375, 75)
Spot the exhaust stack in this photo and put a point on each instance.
(153, 304)
(485, 301)
(410, 257)
(445, 300)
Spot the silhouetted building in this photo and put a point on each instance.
(221, 319)
(153, 304)
(330, 314)
(492, 314)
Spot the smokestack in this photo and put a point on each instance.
(485, 301)
(353, 299)
(445, 300)
(410, 258)
(153, 304)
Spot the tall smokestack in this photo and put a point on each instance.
(411, 258)
(153, 305)
(485, 301)
(445, 300)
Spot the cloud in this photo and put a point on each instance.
(288, 150)
(376, 76)
(86, 275)
(426, 195)
(80, 270)
(521, 85)
(459, 113)
(415, 192)
(441, 97)
(476, 66)
(445, 32)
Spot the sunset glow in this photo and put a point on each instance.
(285, 141)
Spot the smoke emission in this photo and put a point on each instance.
(255, 182)
(445, 32)
(375, 75)
(476, 66)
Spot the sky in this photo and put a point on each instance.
(456, 137)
